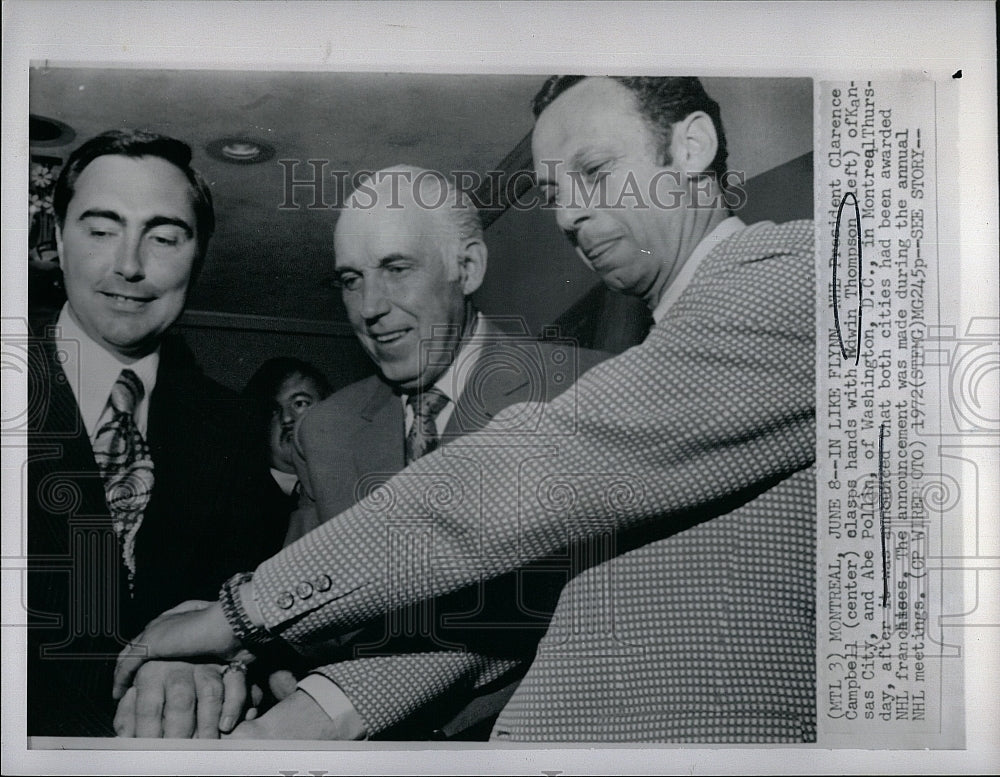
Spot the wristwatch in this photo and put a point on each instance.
(251, 636)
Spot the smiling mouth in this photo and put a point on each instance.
(597, 250)
(389, 337)
(126, 298)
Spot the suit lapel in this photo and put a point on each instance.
(499, 381)
(60, 452)
(378, 440)
(182, 425)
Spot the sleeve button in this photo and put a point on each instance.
(285, 601)
(304, 589)
(323, 583)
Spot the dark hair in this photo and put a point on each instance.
(136, 144)
(262, 389)
(661, 101)
(265, 383)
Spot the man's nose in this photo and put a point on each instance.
(130, 258)
(288, 415)
(571, 211)
(374, 298)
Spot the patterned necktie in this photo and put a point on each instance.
(123, 459)
(423, 436)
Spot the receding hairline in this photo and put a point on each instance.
(190, 188)
(395, 191)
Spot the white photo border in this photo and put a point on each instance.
(882, 40)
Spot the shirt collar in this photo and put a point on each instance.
(92, 371)
(452, 381)
(723, 231)
(286, 480)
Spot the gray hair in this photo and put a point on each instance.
(431, 190)
(458, 207)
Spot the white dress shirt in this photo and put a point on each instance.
(452, 381)
(92, 371)
(286, 480)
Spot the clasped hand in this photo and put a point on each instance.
(181, 699)
(177, 698)
(191, 630)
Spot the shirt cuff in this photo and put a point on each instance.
(331, 699)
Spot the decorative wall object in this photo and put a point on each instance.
(44, 277)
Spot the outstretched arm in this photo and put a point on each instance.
(716, 403)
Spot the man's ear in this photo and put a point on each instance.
(472, 264)
(694, 143)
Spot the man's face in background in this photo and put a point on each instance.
(296, 394)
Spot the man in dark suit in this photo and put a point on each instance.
(407, 274)
(140, 493)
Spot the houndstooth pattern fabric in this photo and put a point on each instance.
(126, 467)
(634, 634)
(687, 432)
(412, 680)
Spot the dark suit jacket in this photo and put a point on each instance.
(205, 520)
(279, 504)
(353, 441)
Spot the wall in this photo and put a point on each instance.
(230, 348)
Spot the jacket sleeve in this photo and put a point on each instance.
(718, 401)
(389, 691)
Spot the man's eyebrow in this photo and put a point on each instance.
(579, 159)
(156, 221)
(390, 258)
(170, 221)
(97, 213)
(584, 156)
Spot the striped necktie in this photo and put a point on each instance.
(423, 436)
(123, 459)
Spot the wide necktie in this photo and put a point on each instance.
(423, 436)
(124, 462)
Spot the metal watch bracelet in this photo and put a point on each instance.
(251, 636)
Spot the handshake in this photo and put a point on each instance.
(208, 700)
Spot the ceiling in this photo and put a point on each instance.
(355, 121)
(275, 261)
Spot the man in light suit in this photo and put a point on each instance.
(407, 272)
(112, 542)
(679, 474)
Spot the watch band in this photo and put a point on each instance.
(251, 636)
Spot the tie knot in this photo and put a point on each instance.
(127, 392)
(428, 403)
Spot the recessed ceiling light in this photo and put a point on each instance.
(45, 132)
(240, 150)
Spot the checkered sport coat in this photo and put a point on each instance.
(673, 485)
